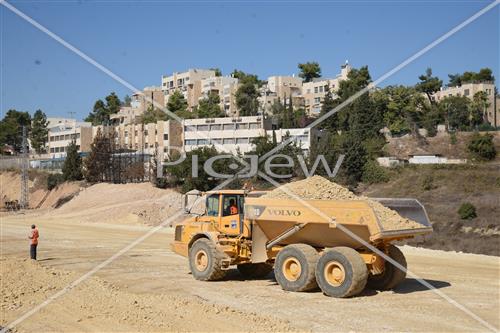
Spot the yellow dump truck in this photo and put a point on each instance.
(305, 249)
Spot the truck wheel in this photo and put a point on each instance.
(295, 266)
(255, 271)
(205, 261)
(341, 272)
(391, 276)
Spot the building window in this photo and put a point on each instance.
(317, 100)
(215, 127)
(51, 150)
(189, 128)
(321, 89)
(202, 127)
(165, 137)
(229, 141)
(242, 126)
(315, 90)
(190, 142)
(228, 127)
(466, 92)
(242, 140)
(146, 132)
(202, 142)
(216, 141)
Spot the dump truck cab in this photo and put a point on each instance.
(222, 221)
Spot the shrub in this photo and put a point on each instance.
(54, 179)
(428, 183)
(482, 147)
(453, 138)
(467, 211)
(373, 173)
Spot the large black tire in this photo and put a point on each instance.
(294, 267)
(341, 272)
(391, 276)
(255, 271)
(205, 261)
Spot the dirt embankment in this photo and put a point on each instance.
(39, 196)
(442, 189)
(122, 203)
(319, 188)
(102, 306)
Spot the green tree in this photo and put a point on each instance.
(478, 108)
(309, 71)
(99, 159)
(153, 115)
(39, 131)
(456, 110)
(217, 71)
(482, 147)
(484, 75)
(247, 95)
(428, 84)
(102, 110)
(181, 174)
(245, 77)
(72, 167)
(209, 107)
(127, 100)
(177, 103)
(11, 128)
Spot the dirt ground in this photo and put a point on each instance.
(149, 288)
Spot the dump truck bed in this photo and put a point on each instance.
(319, 221)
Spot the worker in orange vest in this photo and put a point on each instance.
(33, 236)
(233, 209)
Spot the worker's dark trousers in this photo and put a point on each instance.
(33, 251)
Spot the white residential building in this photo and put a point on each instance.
(314, 92)
(63, 131)
(231, 134)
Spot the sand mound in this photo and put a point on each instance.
(319, 188)
(122, 203)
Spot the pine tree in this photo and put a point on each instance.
(72, 168)
(39, 131)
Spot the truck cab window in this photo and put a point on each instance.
(213, 205)
(231, 205)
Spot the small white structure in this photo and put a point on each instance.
(389, 162)
(433, 159)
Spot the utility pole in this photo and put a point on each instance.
(24, 172)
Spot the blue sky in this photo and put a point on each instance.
(140, 41)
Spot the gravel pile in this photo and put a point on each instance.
(319, 188)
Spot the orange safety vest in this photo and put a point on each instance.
(34, 237)
(233, 210)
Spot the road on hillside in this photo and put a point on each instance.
(152, 271)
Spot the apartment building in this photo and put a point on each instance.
(63, 131)
(491, 114)
(162, 136)
(233, 135)
(314, 92)
(225, 87)
(230, 135)
(188, 83)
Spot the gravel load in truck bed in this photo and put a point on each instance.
(319, 188)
